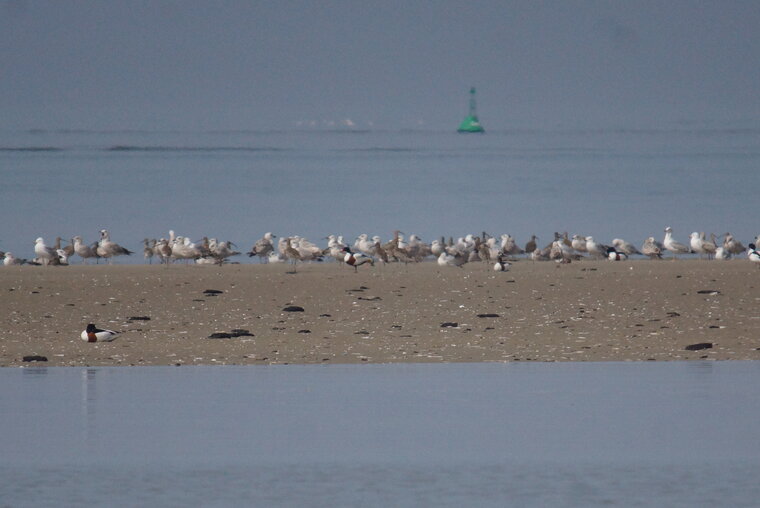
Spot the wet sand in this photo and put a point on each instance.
(584, 311)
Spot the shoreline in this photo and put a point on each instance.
(638, 310)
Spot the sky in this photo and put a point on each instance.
(205, 65)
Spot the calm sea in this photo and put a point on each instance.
(235, 186)
(450, 435)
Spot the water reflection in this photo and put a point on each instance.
(600, 429)
(89, 407)
(34, 371)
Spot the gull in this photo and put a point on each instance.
(695, 243)
(624, 247)
(753, 255)
(11, 260)
(540, 254)
(437, 246)
(596, 250)
(721, 254)
(263, 247)
(399, 237)
(551, 244)
(356, 259)
(108, 249)
(579, 243)
(307, 249)
(462, 247)
(221, 250)
(561, 252)
(184, 248)
(335, 248)
(509, 246)
(396, 248)
(85, 251)
(45, 254)
(95, 334)
(710, 245)
(417, 249)
(467, 243)
(652, 248)
(474, 255)
(209, 260)
(701, 246)
(364, 244)
(673, 246)
(732, 245)
(190, 249)
(457, 259)
(491, 245)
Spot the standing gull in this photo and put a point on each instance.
(652, 248)
(221, 250)
(596, 250)
(710, 245)
(701, 245)
(46, 255)
(263, 247)
(673, 246)
(732, 245)
(84, 251)
(108, 249)
(334, 248)
(561, 252)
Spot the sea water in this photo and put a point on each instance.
(236, 185)
(518, 434)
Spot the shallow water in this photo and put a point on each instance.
(585, 434)
(608, 183)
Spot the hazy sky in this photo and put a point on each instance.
(257, 64)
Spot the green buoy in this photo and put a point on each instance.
(471, 122)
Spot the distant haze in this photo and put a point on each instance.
(386, 65)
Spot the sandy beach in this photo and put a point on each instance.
(584, 311)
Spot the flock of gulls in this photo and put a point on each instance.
(370, 250)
